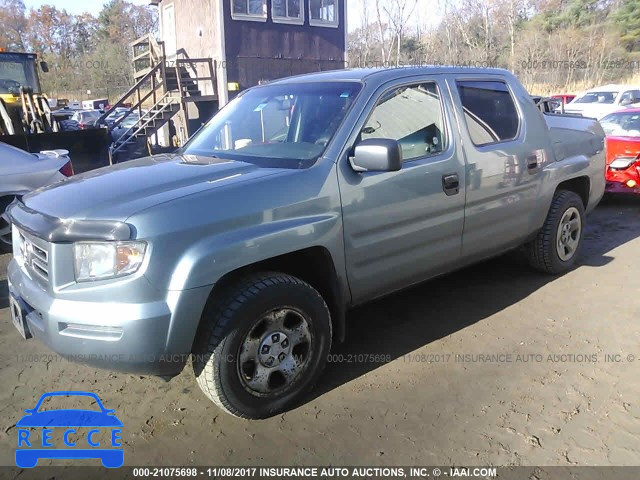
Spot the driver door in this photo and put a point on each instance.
(402, 227)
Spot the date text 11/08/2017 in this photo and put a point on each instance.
(311, 472)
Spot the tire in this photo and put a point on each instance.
(69, 126)
(556, 248)
(262, 344)
(6, 243)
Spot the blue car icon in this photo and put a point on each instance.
(69, 418)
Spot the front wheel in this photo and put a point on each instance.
(556, 248)
(262, 344)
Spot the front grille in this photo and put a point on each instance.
(35, 255)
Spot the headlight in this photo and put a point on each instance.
(104, 260)
(622, 163)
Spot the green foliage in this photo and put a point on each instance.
(573, 13)
(627, 19)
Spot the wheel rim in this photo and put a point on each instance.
(274, 352)
(569, 233)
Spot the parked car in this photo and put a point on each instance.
(300, 199)
(86, 118)
(63, 114)
(601, 101)
(22, 172)
(623, 151)
(561, 101)
(114, 116)
(65, 118)
(545, 104)
(123, 127)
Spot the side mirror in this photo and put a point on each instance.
(377, 155)
(44, 66)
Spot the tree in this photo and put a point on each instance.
(627, 19)
(84, 31)
(124, 22)
(50, 31)
(118, 24)
(13, 25)
(399, 12)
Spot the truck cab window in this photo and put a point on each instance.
(489, 111)
(412, 116)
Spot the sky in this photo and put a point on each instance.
(76, 6)
(94, 6)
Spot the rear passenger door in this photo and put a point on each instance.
(402, 227)
(503, 171)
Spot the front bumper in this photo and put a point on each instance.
(152, 337)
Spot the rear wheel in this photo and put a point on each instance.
(262, 344)
(556, 248)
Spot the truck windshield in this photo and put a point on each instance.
(16, 71)
(285, 126)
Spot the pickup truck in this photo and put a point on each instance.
(300, 199)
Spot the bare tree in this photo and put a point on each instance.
(399, 12)
(365, 31)
(382, 31)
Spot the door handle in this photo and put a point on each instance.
(451, 184)
(532, 162)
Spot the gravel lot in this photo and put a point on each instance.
(440, 400)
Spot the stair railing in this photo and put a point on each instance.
(143, 122)
(141, 98)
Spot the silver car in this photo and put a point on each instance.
(22, 172)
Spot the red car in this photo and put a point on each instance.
(562, 100)
(623, 150)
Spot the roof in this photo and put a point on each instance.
(21, 54)
(628, 110)
(385, 74)
(613, 87)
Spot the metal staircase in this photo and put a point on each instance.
(164, 87)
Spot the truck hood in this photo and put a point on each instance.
(116, 193)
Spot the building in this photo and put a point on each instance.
(253, 41)
(210, 50)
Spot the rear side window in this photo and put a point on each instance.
(630, 96)
(489, 111)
